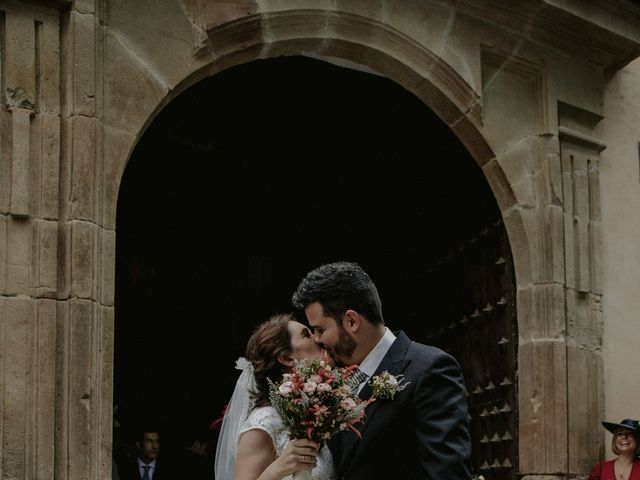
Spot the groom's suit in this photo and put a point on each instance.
(422, 433)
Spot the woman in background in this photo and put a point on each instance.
(625, 443)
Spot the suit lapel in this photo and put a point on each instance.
(395, 363)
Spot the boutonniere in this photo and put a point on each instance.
(386, 385)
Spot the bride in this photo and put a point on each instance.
(253, 442)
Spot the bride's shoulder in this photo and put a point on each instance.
(260, 412)
(263, 417)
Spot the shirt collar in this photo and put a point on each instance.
(142, 464)
(370, 363)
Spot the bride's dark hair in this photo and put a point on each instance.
(269, 341)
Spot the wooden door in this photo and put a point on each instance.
(471, 291)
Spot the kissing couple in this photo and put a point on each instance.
(422, 433)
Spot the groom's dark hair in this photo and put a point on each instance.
(339, 287)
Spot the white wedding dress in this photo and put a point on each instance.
(267, 419)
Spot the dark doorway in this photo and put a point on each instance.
(253, 177)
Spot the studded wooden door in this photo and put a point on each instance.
(473, 294)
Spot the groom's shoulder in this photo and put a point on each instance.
(428, 354)
(421, 349)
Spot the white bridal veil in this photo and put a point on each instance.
(237, 412)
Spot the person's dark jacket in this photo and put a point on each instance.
(423, 433)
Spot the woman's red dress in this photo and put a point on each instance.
(605, 471)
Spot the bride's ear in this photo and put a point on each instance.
(285, 360)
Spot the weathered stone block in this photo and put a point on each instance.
(83, 258)
(580, 176)
(584, 320)
(20, 60)
(519, 241)
(117, 148)
(64, 260)
(46, 389)
(372, 9)
(541, 312)
(542, 400)
(5, 159)
(49, 166)
(50, 71)
(85, 6)
(18, 256)
(80, 400)
(133, 87)
(218, 13)
(468, 133)
(61, 422)
(20, 161)
(107, 339)
(3, 252)
(585, 408)
(17, 323)
(545, 236)
(82, 27)
(108, 266)
(513, 88)
(519, 163)
(44, 258)
(500, 185)
(83, 168)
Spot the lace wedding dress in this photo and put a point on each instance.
(267, 419)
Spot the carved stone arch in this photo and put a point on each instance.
(387, 52)
(383, 49)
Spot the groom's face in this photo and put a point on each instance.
(331, 335)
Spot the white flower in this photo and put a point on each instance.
(386, 385)
(315, 378)
(286, 377)
(324, 387)
(285, 388)
(348, 404)
(310, 387)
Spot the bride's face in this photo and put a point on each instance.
(303, 347)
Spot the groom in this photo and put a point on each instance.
(423, 432)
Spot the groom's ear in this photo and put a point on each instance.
(285, 360)
(352, 321)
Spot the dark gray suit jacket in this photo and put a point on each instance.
(423, 433)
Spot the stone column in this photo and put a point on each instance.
(29, 201)
(86, 258)
(550, 159)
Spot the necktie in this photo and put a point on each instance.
(146, 472)
(356, 379)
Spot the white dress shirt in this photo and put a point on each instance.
(152, 470)
(371, 362)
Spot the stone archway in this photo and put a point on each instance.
(347, 166)
(527, 191)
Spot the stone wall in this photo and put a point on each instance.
(80, 81)
(620, 177)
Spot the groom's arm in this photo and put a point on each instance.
(441, 419)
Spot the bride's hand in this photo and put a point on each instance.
(299, 455)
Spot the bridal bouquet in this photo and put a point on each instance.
(315, 401)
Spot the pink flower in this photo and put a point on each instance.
(310, 387)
